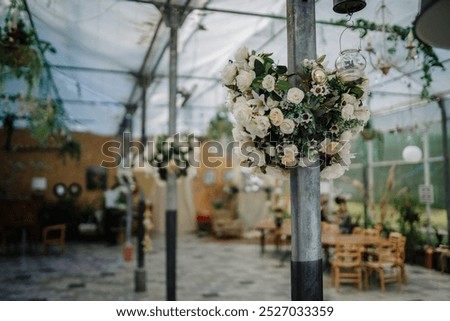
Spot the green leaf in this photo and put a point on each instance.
(282, 85)
(321, 59)
(281, 70)
(275, 96)
(357, 91)
(259, 67)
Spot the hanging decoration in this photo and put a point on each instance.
(279, 127)
(412, 154)
(384, 57)
(394, 36)
(171, 154)
(20, 48)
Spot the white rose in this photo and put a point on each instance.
(295, 95)
(229, 74)
(268, 83)
(347, 111)
(362, 114)
(329, 147)
(276, 116)
(277, 172)
(346, 136)
(238, 152)
(242, 113)
(357, 130)
(251, 61)
(244, 79)
(290, 150)
(287, 126)
(288, 161)
(332, 172)
(259, 125)
(257, 156)
(241, 54)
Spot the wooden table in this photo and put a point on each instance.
(268, 226)
(365, 240)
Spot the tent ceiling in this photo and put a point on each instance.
(104, 45)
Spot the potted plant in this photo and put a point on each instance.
(19, 48)
(408, 222)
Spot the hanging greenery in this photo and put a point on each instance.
(396, 33)
(220, 127)
(20, 48)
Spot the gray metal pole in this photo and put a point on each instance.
(426, 179)
(446, 163)
(171, 192)
(306, 259)
(140, 277)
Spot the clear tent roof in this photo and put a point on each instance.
(103, 45)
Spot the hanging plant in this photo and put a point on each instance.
(71, 148)
(280, 127)
(19, 48)
(171, 154)
(220, 127)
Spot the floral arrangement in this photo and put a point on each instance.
(279, 126)
(167, 153)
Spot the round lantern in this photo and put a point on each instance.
(412, 154)
(350, 65)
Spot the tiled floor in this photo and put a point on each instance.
(206, 270)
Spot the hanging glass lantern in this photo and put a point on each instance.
(348, 6)
(350, 65)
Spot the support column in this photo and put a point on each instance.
(370, 179)
(306, 258)
(140, 277)
(173, 17)
(446, 163)
(426, 178)
(128, 248)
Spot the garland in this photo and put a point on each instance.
(396, 33)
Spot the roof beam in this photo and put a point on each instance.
(95, 70)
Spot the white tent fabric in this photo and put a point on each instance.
(102, 46)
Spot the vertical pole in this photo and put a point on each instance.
(127, 163)
(426, 178)
(171, 192)
(446, 163)
(306, 258)
(366, 194)
(370, 179)
(140, 277)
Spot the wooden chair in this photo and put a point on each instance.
(330, 228)
(384, 262)
(54, 235)
(398, 241)
(371, 232)
(347, 265)
(357, 230)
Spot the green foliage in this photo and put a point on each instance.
(20, 49)
(409, 219)
(220, 127)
